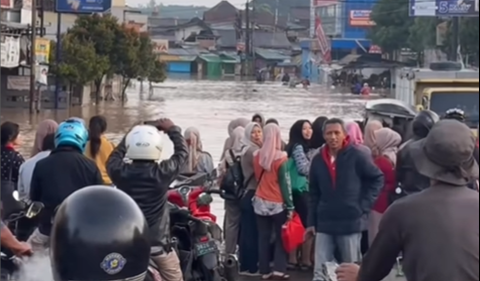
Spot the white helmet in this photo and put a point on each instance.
(144, 142)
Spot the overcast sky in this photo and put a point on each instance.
(208, 3)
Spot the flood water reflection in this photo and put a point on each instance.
(207, 105)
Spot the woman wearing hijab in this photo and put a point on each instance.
(384, 152)
(239, 122)
(370, 129)
(248, 251)
(199, 161)
(259, 119)
(232, 207)
(317, 140)
(44, 143)
(298, 149)
(356, 137)
(272, 203)
(44, 128)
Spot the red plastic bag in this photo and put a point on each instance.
(292, 234)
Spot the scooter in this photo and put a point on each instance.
(186, 192)
(9, 263)
(198, 250)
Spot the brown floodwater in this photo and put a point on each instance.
(206, 105)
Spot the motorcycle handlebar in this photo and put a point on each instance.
(214, 191)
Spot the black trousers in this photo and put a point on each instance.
(247, 245)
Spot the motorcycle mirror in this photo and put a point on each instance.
(214, 174)
(34, 209)
(16, 195)
(204, 199)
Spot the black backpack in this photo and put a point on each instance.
(232, 185)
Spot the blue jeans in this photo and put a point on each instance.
(349, 247)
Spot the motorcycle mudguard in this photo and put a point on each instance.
(209, 261)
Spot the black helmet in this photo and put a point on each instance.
(455, 114)
(423, 123)
(99, 233)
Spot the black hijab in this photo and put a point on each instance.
(296, 137)
(317, 140)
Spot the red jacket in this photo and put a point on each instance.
(388, 170)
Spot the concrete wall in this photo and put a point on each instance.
(19, 98)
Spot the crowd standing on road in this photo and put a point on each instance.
(413, 200)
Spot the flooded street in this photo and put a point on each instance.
(207, 105)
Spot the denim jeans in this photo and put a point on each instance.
(325, 245)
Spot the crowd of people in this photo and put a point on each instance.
(366, 198)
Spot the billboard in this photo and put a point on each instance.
(160, 46)
(82, 6)
(323, 3)
(360, 18)
(6, 4)
(444, 8)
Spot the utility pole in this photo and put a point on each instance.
(247, 38)
(33, 54)
(252, 41)
(42, 18)
(456, 35)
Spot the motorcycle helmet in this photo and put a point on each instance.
(423, 123)
(455, 114)
(144, 142)
(72, 133)
(99, 233)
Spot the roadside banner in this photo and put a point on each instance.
(10, 51)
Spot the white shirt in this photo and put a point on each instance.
(25, 174)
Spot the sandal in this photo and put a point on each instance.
(292, 266)
(280, 276)
(304, 267)
(267, 276)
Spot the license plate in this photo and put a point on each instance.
(205, 248)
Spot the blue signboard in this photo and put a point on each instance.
(457, 8)
(82, 6)
(444, 8)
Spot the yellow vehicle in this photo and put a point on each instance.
(440, 100)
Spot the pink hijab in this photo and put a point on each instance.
(272, 146)
(355, 133)
(370, 129)
(44, 128)
(386, 144)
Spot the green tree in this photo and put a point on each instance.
(393, 23)
(157, 73)
(146, 55)
(468, 38)
(103, 32)
(423, 33)
(126, 58)
(79, 62)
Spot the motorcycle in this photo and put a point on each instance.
(195, 244)
(185, 193)
(10, 264)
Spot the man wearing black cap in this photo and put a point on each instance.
(436, 229)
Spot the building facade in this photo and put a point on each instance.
(345, 24)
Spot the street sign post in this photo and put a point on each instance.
(443, 8)
(82, 6)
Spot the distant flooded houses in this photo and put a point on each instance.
(226, 41)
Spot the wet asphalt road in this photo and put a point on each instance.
(300, 276)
